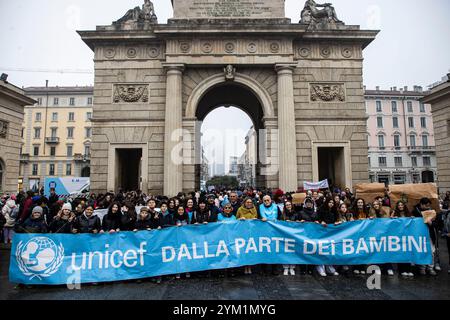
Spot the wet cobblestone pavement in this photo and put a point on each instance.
(242, 287)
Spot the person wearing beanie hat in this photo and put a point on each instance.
(34, 224)
(63, 221)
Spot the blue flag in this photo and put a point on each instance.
(56, 259)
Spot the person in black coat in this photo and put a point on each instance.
(112, 221)
(308, 214)
(143, 221)
(327, 213)
(166, 216)
(213, 208)
(129, 217)
(62, 223)
(87, 222)
(155, 218)
(202, 215)
(34, 224)
(289, 213)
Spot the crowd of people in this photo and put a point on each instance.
(136, 211)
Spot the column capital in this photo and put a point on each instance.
(179, 67)
(285, 67)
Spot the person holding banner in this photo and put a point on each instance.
(63, 221)
(167, 215)
(247, 212)
(202, 215)
(402, 211)
(269, 211)
(34, 224)
(129, 216)
(423, 206)
(112, 220)
(87, 222)
(289, 215)
(143, 221)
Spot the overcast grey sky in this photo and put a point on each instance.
(413, 47)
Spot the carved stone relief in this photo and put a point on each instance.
(3, 129)
(130, 93)
(327, 92)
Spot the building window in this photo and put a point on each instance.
(369, 162)
(423, 122)
(35, 169)
(425, 141)
(70, 133)
(397, 141)
(52, 151)
(38, 117)
(382, 162)
(379, 109)
(55, 116)
(411, 122)
(422, 107)
(88, 132)
(37, 133)
(22, 132)
(412, 141)
(39, 101)
(426, 161)
(381, 141)
(394, 107)
(71, 116)
(398, 161)
(36, 151)
(54, 132)
(380, 122)
(72, 101)
(410, 106)
(55, 101)
(70, 151)
(87, 150)
(51, 170)
(68, 169)
(89, 101)
(414, 161)
(399, 179)
(395, 122)
(88, 116)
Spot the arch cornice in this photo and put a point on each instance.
(201, 89)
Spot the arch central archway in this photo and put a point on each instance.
(243, 93)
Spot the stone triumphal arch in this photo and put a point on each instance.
(300, 83)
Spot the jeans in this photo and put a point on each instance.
(8, 234)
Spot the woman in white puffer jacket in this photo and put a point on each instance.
(8, 229)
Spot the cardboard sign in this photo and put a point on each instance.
(429, 216)
(369, 191)
(298, 198)
(412, 193)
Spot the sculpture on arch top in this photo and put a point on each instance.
(312, 15)
(147, 13)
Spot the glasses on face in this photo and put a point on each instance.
(267, 200)
(228, 208)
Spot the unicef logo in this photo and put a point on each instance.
(39, 258)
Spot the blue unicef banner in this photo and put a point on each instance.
(55, 259)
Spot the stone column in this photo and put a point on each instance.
(173, 167)
(286, 125)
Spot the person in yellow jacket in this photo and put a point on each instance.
(247, 212)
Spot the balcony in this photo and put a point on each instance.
(25, 157)
(78, 157)
(52, 140)
(422, 150)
